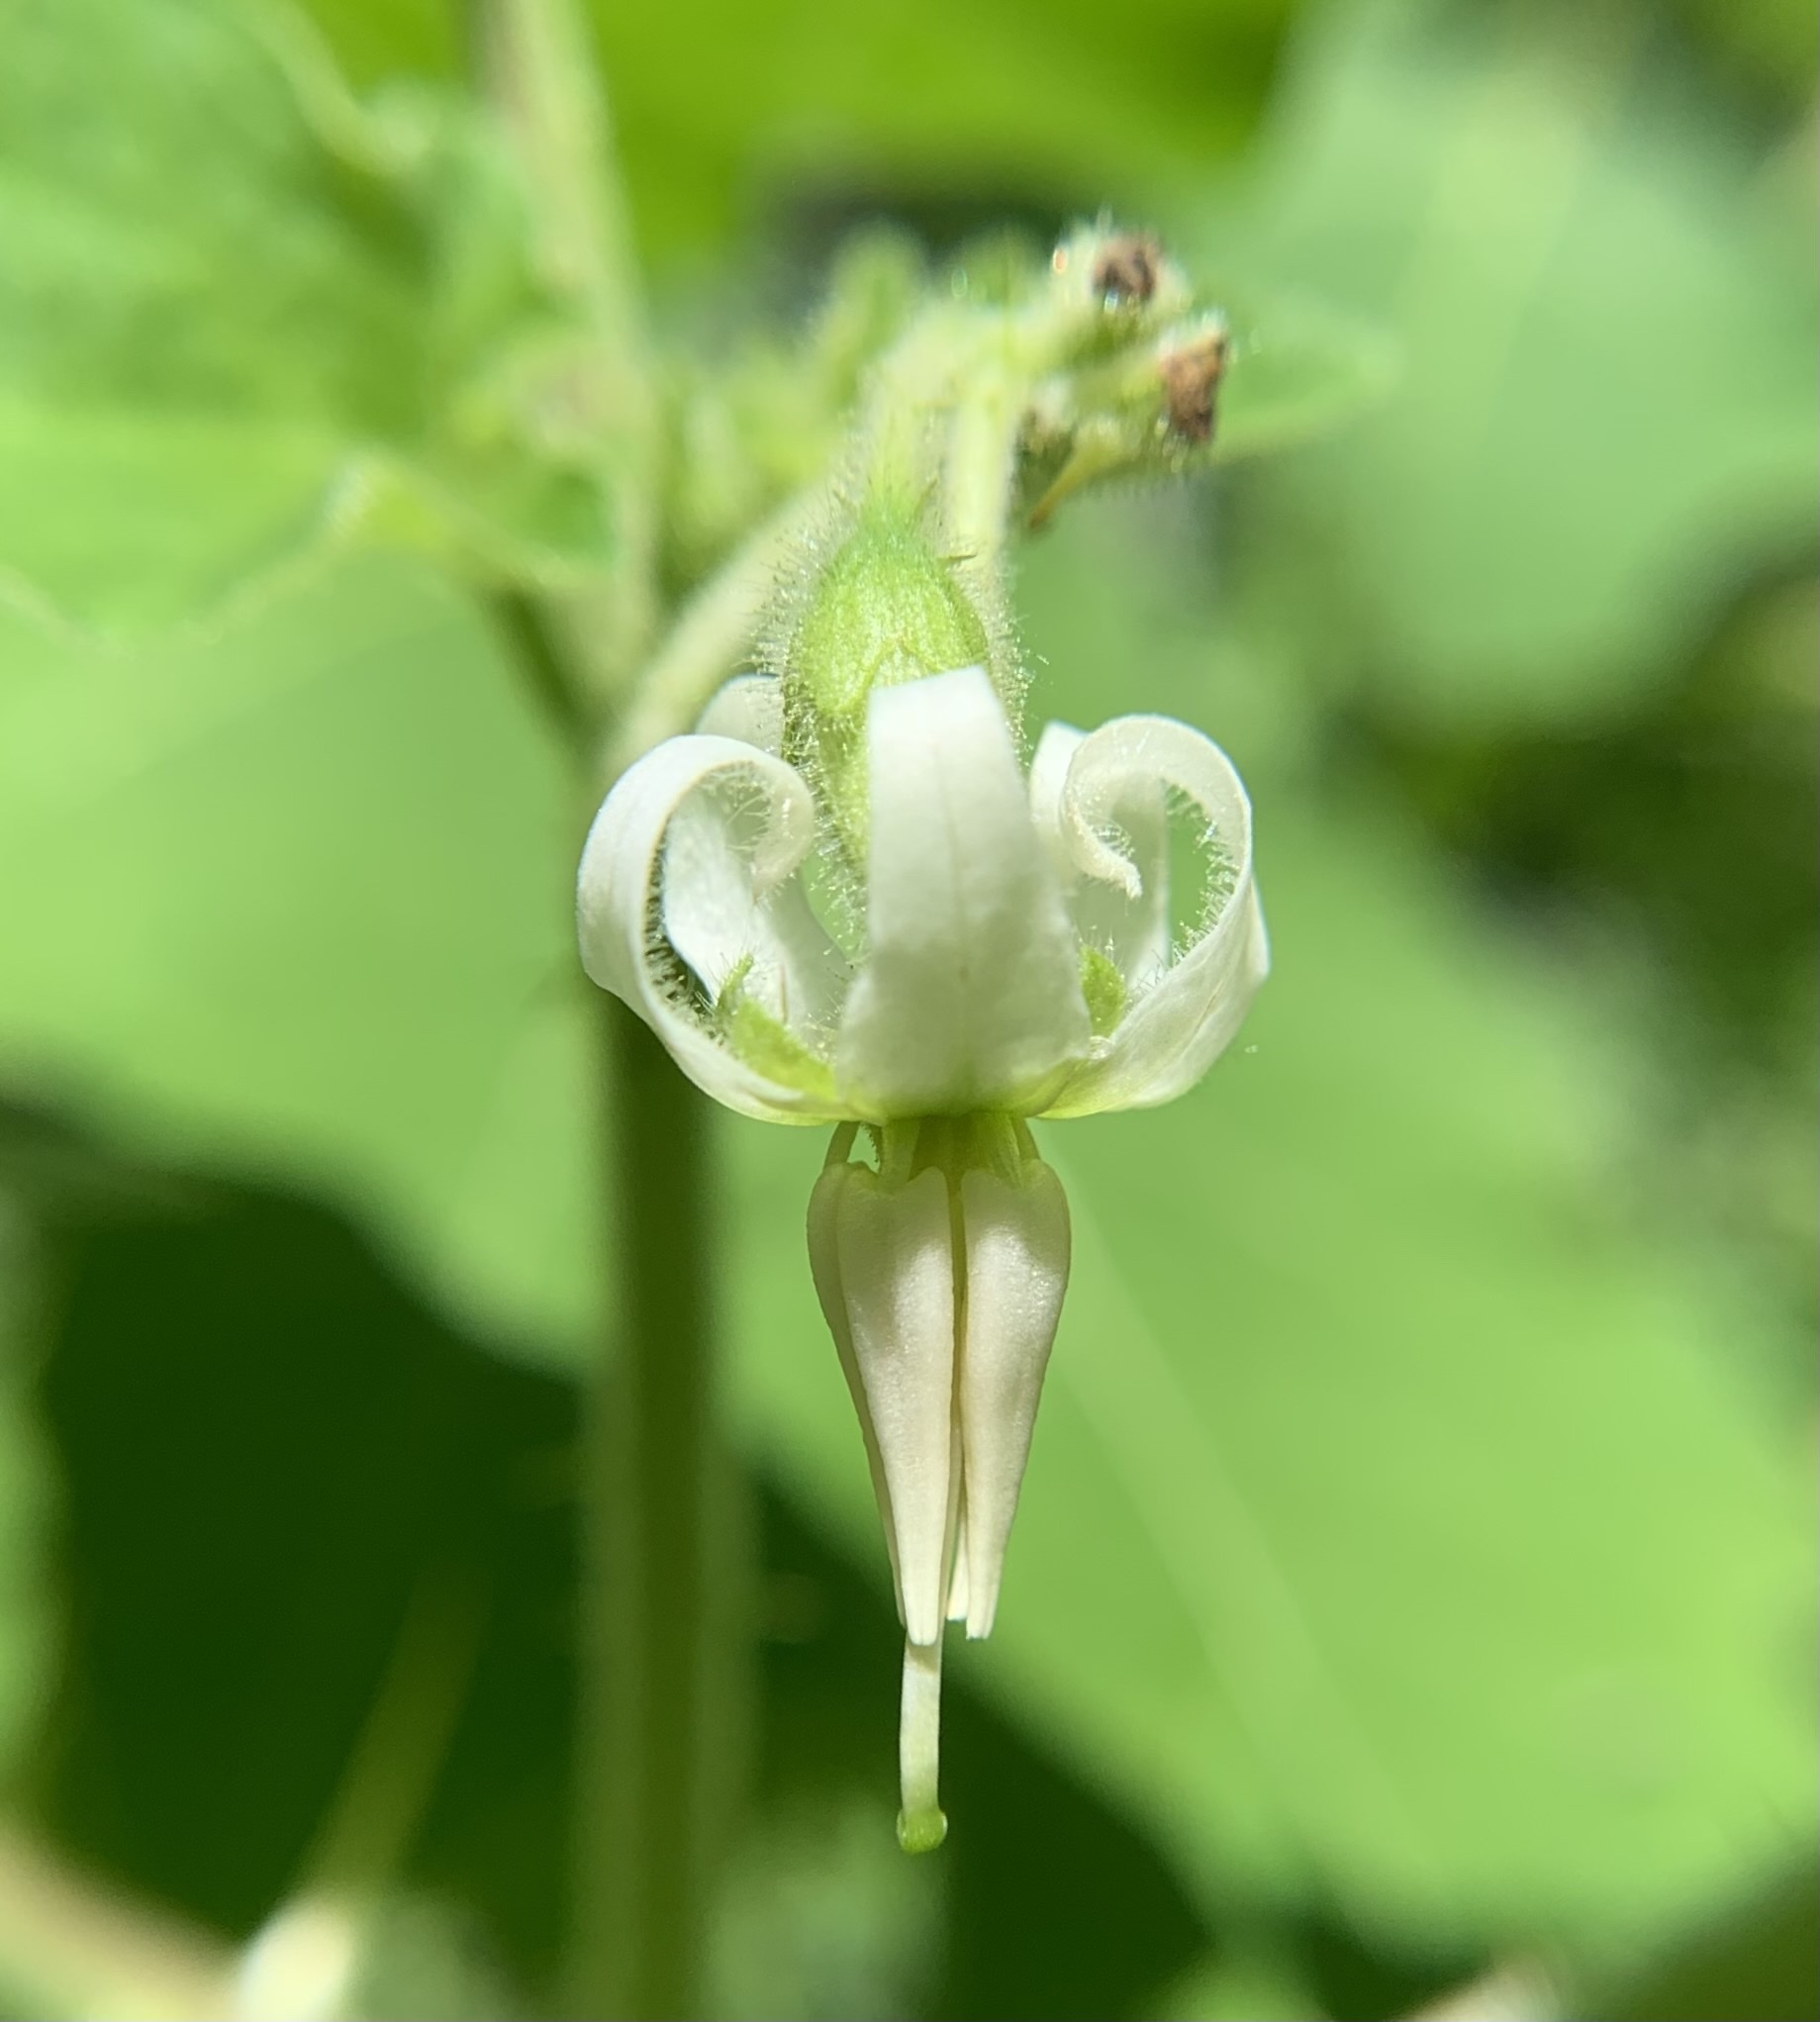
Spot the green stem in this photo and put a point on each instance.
(660, 1639)
(663, 1668)
(540, 74)
(660, 1642)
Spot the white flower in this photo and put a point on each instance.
(1012, 956)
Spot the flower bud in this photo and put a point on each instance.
(1107, 290)
(1143, 410)
(880, 606)
(1126, 269)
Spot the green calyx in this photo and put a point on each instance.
(885, 606)
(886, 609)
(988, 1141)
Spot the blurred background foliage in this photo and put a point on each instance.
(1415, 1576)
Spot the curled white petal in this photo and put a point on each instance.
(893, 1267)
(1180, 1021)
(690, 848)
(1121, 905)
(1016, 1242)
(750, 709)
(969, 998)
(1049, 763)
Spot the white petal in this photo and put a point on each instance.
(825, 1268)
(895, 1262)
(711, 913)
(1174, 1029)
(970, 997)
(803, 981)
(750, 708)
(1123, 910)
(711, 828)
(957, 1573)
(722, 908)
(1016, 1241)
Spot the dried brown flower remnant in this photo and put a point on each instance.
(1126, 269)
(1191, 373)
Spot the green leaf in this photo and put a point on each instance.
(957, 108)
(1245, 1990)
(1402, 1528)
(1607, 313)
(1298, 371)
(242, 318)
(950, 104)
(824, 1916)
(298, 903)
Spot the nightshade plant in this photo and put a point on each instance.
(840, 902)
(1015, 961)
(764, 604)
(1410, 1568)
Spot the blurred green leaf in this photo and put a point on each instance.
(960, 106)
(374, 40)
(1607, 410)
(298, 903)
(950, 102)
(823, 1921)
(1242, 1989)
(242, 318)
(1298, 370)
(1398, 1530)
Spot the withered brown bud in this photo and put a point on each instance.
(1191, 373)
(1126, 269)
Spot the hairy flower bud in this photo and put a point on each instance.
(879, 606)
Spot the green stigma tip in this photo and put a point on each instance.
(922, 1832)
